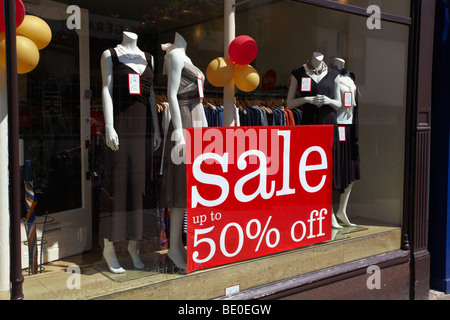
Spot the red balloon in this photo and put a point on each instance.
(243, 50)
(20, 14)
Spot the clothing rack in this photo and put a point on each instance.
(248, 105)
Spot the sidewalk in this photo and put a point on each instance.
(437, 295)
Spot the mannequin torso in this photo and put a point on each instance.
(130, 55)
(316, 70)
(345, 115)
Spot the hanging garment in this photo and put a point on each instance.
(214, 116)
(289, 117)
(298, 115)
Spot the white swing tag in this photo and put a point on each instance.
(306, 85)
(200, 88)
(134, 83)
(348, 99)
(342, 134)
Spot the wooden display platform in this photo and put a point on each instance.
(161, 281)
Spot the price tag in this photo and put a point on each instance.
(342, 134)
(306, 85)
(200, 88)
(348, 99)
(134, 83)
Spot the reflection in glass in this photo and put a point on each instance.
(49, 122)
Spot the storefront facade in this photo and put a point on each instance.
(438, 233)
(69, 115)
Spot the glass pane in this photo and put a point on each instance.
(49, 122)
(286, 32)
(155, 23)
(301, 30)
(397, 7)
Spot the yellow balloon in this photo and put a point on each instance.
(35, 29)
(27, 54)
(220, 71)
(246, 78)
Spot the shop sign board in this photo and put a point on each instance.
(254, 191)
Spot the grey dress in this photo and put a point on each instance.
(173, 186)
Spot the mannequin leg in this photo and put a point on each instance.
(334, 222)
(110, 256)
(177, 252)
(133, 250)
(342, 211)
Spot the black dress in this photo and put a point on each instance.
(349, 147)
(121, 217)
(312, 115)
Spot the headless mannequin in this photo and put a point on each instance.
(318, 100)
(138, 63)
(346, 86)
(173, 66)
(316, 61)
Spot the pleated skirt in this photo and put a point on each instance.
(173, 185)
(348, 163)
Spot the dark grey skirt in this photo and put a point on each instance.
(348, 163)
(173, 185)
(121, 216)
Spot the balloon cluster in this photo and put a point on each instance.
(32, 34)
(221, 71)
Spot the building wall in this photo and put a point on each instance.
(4, 194)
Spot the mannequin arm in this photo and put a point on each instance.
(293, 102)
(153, 110)
(335, 103)
(318, 100)
(154, 114)
(112, 140)
(175, 64)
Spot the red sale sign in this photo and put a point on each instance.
(254, 191)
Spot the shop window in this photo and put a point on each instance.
(49, 124)
(288, 34)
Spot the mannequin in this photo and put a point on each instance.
(347, 118)
(318, 100)
(315, 88)
(186, 110)
(119, 107)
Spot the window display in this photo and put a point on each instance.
(143, 72)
